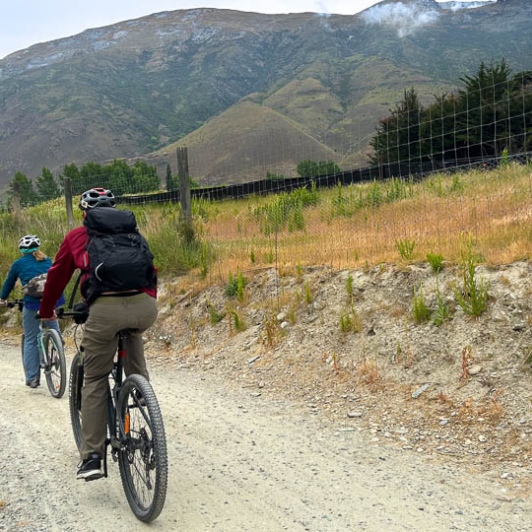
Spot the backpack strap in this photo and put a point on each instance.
(73, 295)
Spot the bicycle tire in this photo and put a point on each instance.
(146, 450)
(55, 363)
(74, 397)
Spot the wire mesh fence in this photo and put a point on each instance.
(413, 197)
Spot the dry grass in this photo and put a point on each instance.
(493, 207)
(368, 372)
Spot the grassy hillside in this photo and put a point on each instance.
(351, 227)
(243, 143)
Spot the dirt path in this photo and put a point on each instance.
(237, 463)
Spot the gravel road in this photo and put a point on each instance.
(238, 462)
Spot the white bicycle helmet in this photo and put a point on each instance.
(29, 243)
(96, 197)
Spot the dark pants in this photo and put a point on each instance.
(108, 315)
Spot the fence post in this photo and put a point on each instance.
(184, 193)
(68, 201)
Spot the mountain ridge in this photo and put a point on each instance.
(132, 88)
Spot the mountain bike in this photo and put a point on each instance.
(136, 433)
(51, 354)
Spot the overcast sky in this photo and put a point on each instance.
(27, 22)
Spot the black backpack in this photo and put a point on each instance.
(119, 257)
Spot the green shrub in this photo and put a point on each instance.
(236, 285)
(472, 296)
(421, 311)
(435, 261)
(442, 313)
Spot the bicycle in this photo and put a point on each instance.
(136, 432)
(51, 354)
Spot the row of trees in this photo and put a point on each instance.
(491, 113)
(117, 176)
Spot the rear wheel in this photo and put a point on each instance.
(143, 461)
(54, 363)
(74, 397)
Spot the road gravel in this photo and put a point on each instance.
(239, 461)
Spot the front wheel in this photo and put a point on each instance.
(54, 363)
(143, 459)
(74, 397)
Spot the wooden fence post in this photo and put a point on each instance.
(184, 193)
(68, 202)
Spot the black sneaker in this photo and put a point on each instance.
(34, 383)
(90, 468)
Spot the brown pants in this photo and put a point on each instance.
(108, 315)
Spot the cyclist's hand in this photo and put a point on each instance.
(3, 302)
(52, 318)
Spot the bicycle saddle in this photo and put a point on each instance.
(124, 333)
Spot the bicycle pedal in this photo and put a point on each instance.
(94, 478)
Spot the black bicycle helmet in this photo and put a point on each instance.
(29, 242)
(96, 197)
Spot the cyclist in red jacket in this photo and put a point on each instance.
(110, 312)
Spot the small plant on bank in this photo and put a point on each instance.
(299, 271)
(350, 321)
(272, 329)
(252, 255)
(345, 322)
(473, 296)
(214, 316)
(236, 285)
(349, 287)
(238, 322)
(308, 293)
(421, 311)
(435, 261)
(292, 318)
(405, 247)
(442, 313)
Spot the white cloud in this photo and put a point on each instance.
(404, 18)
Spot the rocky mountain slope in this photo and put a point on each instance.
(131, 88)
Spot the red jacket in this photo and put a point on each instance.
(71, 256)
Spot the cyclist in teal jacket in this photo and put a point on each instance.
(32, 263)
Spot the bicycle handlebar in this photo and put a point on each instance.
(14, 303)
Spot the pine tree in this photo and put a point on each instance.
(170, 183)
(47, 188)
(21, 190)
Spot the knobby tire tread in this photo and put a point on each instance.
(159, 441)
(73, 399)
(53, 337)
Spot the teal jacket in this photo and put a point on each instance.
(26, 268)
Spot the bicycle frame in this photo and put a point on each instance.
(113, 416)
